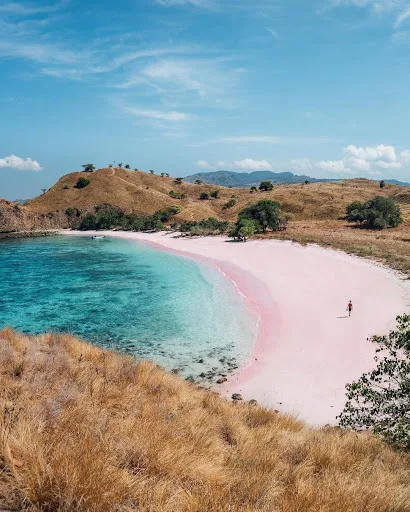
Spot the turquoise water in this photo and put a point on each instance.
(127, 296)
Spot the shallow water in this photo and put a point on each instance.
(127, 296)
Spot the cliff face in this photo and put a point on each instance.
(14, 217)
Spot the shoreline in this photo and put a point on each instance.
(304, 353)
(5, 235)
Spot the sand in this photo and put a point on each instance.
(307, 348)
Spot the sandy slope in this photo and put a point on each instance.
(307, 348)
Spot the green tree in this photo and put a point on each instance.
(88, 222)
(120, 164)
(266, 186)
(127, 166)
(253, 189)
(378, 213)
(215, 194)
(243, 229)
(135, 169)
(88, 167)
(230, 203)
(162, 174)
(198, 182)
(266, 214)
(152, 171)
(178, 181)
(380, 400)
(203, 196)
(82, 182)
(382, 183)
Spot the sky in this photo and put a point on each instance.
(316, 87)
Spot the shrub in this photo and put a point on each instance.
(210, 226)
(266, 186)
(382, 183)
(176, 195)
(378, 213)
(229, 204)
(243, 229)
(151, 171)
(66, 187)
(127, 166)
(88, 167)
(82, 182)
(266, 214)
(380, 399)
(203, 196)
(215, 194)
(178, 181)
(253, 189)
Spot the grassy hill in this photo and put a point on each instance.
(318, 209)
(86, 430)
(143, 193)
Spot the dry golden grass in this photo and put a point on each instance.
(83, 429)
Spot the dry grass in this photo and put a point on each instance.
(83, 429)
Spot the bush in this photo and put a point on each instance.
(229, 204)
(66, 187)
(378, 213)
(203, 196)
(215, 194)
(198, 182)
(176, 195)
(380, 399)
(127, 166)
(178, 181)
(243, 229)
(82, 182)
(253, 189)
(88, 167)
(382, 183)
(265, 214)
(266, 186)
(205, 227)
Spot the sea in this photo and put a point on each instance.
(126, 296)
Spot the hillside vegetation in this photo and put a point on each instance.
(82, 429)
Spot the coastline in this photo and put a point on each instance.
(28, 234)
(306, 349)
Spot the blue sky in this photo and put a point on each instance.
(314, 87)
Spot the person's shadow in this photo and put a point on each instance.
(346, 316)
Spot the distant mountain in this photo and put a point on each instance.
(250, 179)
(400, 183)
(245, 179)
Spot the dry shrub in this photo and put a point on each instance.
(87, 430)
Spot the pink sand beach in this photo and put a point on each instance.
(307, 348)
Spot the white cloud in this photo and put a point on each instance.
(252, 165)
(357, 160)
(20, 164)
(382, 152)
(405, 155)
(155, 114)
(19, 9)
(302, 164)
(204, 164)
(336, 166)
(173, 3)
(402, 17)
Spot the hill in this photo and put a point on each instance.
(89, 430)
(317, 209)
(244, 179)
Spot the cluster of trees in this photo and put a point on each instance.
(177, 195)
(210, 226)
(82, 182)
(108, 217)
(378, 213)
(257, 218)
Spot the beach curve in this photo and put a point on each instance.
(307, 348)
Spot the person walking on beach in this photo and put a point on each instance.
(350, 307)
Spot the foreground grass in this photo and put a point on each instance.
(82, 429)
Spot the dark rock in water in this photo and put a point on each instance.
(221, 380)
(223, 374)
(253, 402)
(236, 396)
(175, 371)
(203, 375)
(222, 360)
(200, 361)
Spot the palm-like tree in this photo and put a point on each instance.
(120, 164)
(127, 166)
(151, 171)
